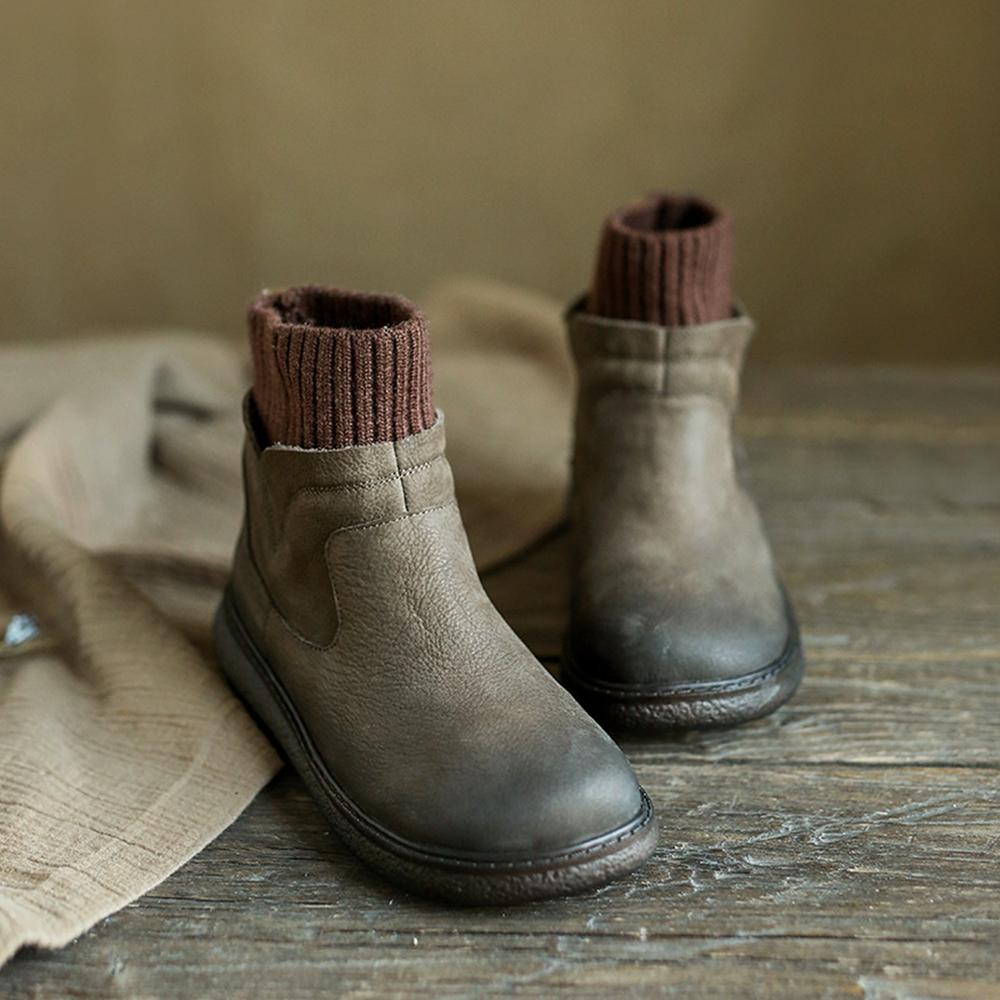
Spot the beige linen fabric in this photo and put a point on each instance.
(122, 750)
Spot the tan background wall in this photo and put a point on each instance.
(160, 161)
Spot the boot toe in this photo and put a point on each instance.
(541, 801)
(595, 794)
(639, 643)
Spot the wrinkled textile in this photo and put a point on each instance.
(122, 750)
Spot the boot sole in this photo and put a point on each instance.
(467, 880)
(676, 708)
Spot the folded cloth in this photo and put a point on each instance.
(122, 750)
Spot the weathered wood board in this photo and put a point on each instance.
(849, 846)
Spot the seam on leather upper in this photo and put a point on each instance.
(402, 479)
(577, 313)
(662, 356)
(675, 399)
(368, 526)
(363, 484)
(358, 487)
(273, 611)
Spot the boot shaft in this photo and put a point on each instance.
(296, 499)
(614, 355)
(655, 408)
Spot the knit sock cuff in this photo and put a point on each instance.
(666, 260)
(336, 368)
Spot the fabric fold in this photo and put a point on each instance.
(122, 750)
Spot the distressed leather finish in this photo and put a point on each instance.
(354, 580)
(673, 582)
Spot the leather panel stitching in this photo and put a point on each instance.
(327, 647)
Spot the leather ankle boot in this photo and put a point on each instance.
(677, 619)
(442, 752)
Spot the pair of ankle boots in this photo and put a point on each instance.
(443, 753)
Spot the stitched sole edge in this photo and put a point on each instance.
(458, 880)
(682, 707)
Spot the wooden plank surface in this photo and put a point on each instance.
(848, 846)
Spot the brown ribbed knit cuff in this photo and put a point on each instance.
(666, 260)
(335, 368)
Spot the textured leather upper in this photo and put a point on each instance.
(674, 581)
(355, 579)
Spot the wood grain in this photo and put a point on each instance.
(846, 847)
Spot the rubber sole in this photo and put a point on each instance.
(471, 881)
(649, 711)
